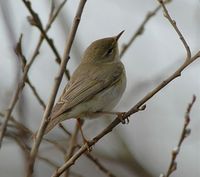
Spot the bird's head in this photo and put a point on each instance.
(103, 50)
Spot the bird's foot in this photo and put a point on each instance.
(85, 141)
(120, 117)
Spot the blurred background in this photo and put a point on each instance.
(142, 147)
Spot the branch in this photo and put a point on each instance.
(35, 21)
(173, 23)
(23, 61)
(90, 156)
(71, 147)
(140, 29)
(26, 149)
(35, 93)
(133, 110)
(21, 84)
(184, 134)
(100, 166)
(57, 82)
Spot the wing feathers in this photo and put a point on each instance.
(85, 84)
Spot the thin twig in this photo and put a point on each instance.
(35, 21)
(58, 146)
(35, 93)
(23, 61)
(64, 129)
(184, 134)
(18, 125)
(173, 23)
(133, 110)
(56, 85)
(26, 149)
(100, 166)
(21, 84)
(21, 127)
(140, 29)
(71, 147)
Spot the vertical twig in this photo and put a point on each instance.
(184, 134)
(57, 82)
(173, 23)
(71, 147)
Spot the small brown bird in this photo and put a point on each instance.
(96, 85)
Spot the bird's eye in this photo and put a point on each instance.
(110, 51)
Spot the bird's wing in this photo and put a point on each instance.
(85, 83)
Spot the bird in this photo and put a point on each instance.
(96, 86)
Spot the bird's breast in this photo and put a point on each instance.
(105, 100)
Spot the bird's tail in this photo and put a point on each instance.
(52, 123)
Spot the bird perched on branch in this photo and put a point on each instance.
(95, 87)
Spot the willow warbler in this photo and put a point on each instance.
(96, 85)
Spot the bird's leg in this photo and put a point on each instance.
(85, 141)
(119, 115)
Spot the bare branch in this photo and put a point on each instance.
(184, 134)
(57, 82)
(100, 165)
(173, 23)
(23, 61)
(26, 149)
(91, 157)
(71, 147)
(21, 84)
(35, 21)
(40, 100)
(140, 29)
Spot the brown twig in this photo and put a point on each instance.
(35, 21)
(71, 147)
(184, 134)
(64, 129)
(133, 110)
(173, 23)
(23, 61)
(21, 84)
(26, 149)
(35, 93)
(100, 166)
(90, 156)
(17, 124)
(58, 146)
(57, 82)
(21, 127)
(140, 29)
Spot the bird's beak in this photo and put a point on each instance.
(118, 36)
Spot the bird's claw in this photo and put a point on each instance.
(87, 143)
(120, 116)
